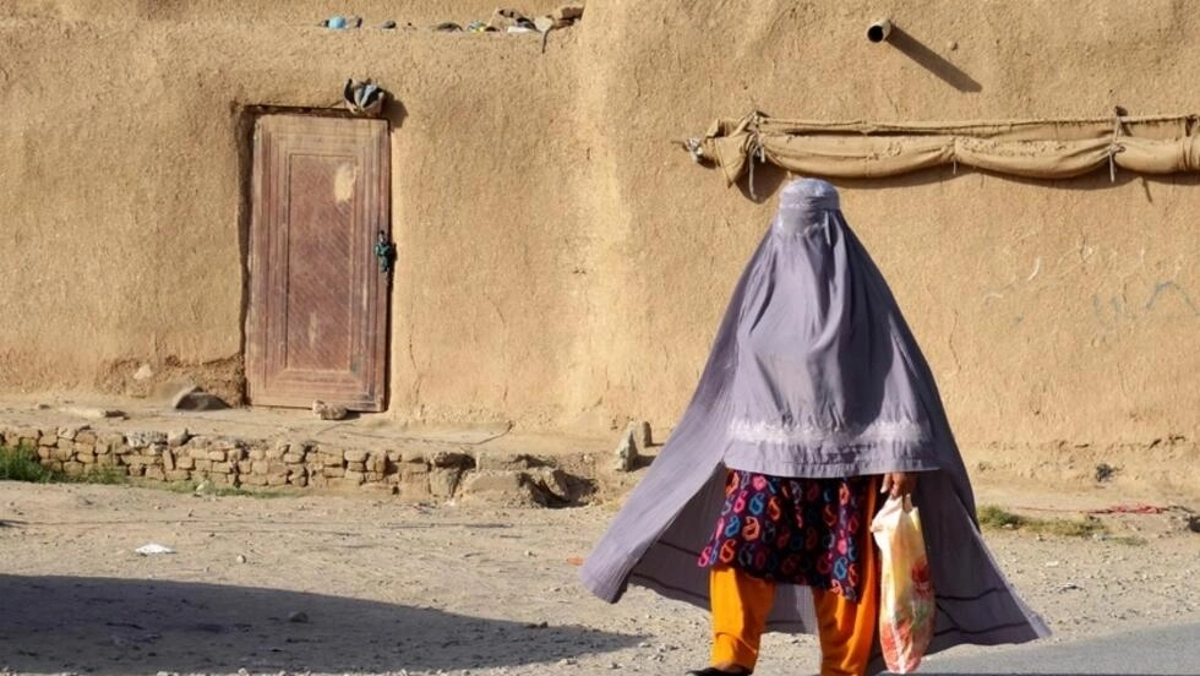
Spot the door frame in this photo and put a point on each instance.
(256, 287)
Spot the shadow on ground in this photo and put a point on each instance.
(115, 626)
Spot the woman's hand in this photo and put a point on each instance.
(899, 484)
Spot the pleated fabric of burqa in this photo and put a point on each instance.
(813, 373)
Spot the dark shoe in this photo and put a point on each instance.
(713, 671)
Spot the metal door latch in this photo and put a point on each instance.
(385, 251)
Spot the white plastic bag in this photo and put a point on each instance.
(906, 604)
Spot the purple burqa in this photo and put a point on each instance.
(814, 373)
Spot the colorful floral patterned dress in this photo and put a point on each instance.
(793, 530)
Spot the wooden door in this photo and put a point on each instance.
(318, 315)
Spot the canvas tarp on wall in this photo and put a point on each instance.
(1046, 149)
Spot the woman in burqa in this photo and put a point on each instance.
(815, 401)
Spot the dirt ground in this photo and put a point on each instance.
(340, 584)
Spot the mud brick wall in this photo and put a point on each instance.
(226, 461)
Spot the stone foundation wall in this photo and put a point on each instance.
(414, 474)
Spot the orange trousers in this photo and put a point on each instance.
(741, 604)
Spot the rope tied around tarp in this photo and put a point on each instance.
(1115, 146)
(755, 149)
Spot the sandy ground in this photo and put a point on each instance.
(329, 584)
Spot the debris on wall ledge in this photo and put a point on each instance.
(503, 20)
(363, 98)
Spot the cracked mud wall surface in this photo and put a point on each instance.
(561, 263)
